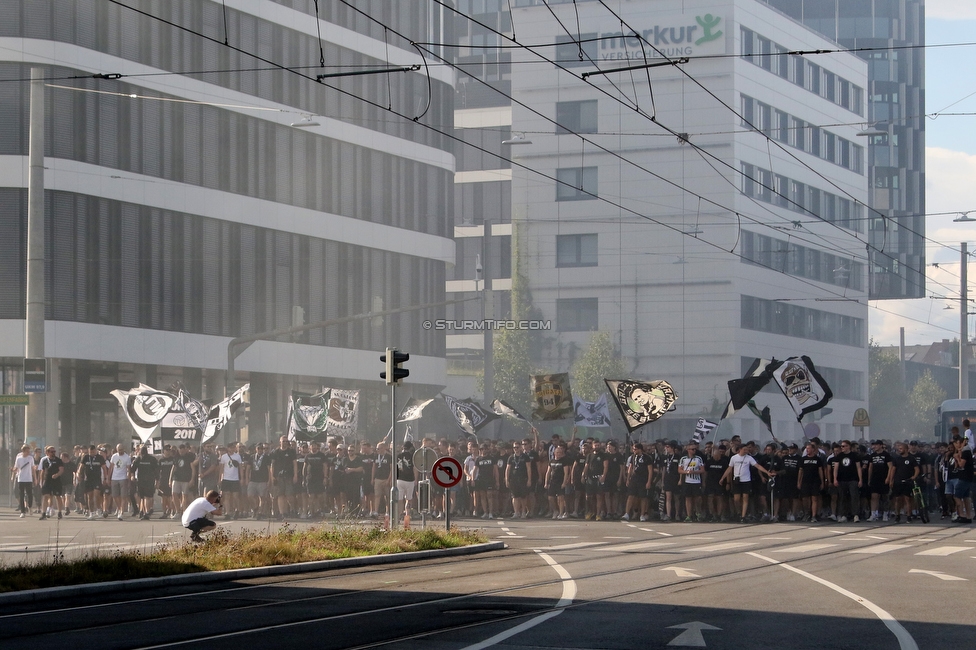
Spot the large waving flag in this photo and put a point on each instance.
(223, 411)
(343, 412)
(591, 414)
(145, 407)
(470, 415)
(702, 429)
(741, 391)
(308, 416)
(551, 396)
(504, 408)
(802, 385)
(413, 409)
(641, 402)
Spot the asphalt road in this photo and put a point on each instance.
(566, 584)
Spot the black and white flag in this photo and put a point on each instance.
(308, 416)
(504, 408)
(702, 429)
(763, 415)
(413, 409)
(470, 415)
(802, 385)
(641, 402)
(591, 414)
(145, 407)
(343, 412)
(223, 411)
(195, 410)
(742, 390)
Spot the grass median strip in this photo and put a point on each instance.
(223, 550)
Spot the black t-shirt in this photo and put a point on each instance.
(183, 467)
(404, 466)
(146, 469)
(595, 463)
(259, 468)
(669, 469)
(557, 472)
(715, 469)
(368, 462)
(282, 463)
(846, 466)
(613, 471)
(904, 467)
(486, 471)
(878, 463)
(315, 468)
(791, 464)
(382, 471)
(965, 472)
(640, 467)
(355, 469)
(774, 464)
(518, 468)
(48, 468)
(92, 464)
(811, 466)
(166, 468)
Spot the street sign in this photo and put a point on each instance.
(423, 458)
(35, 375)
(861, 418)
(447, 472)
(14, 400)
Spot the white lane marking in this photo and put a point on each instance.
(937, 574)
(921, 540)
(776, 538)
(648, 530)
(618, 538)
(632, 525)
(881, 548)
(943, 551)
(636, 546)
(564, 537)
(883, 539)
(681, 572)
(665, 534)
(504, 529)
(567, 547)
(569, 593)
(804, 548)
(905, 640)
(701, 537)
(717, 547)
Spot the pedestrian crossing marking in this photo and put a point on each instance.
(881, 548)
(718, 547)
(943, 551)
(803, 548)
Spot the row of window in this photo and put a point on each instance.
(763, 185)
(118, 31)
(799, 134)
(116, 263)
(223, 150)
(771, 56)
(801, 322)
(800, 261)
(576, 250)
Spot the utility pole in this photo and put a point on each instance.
(35, 420)
(964, 325)
(488, 314)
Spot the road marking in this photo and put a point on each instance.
(567, 547)
(921, 540)
(805, 548)
(905, 640)
(648, 530)
(776, 538)
(701, 537)
(881, 548)
(717, 547)
(569, 593)
(937, 574)
(666, 534)
(505, 529)
(618, 538)
(564, 537)
(681, 572)
(636, 546)
(943, 551)
(883, 539)
(692, 635)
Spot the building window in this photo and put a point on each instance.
(576, 117)
(576, 250)
(578, 314)
(576, 183)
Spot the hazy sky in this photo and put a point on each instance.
(950, 87)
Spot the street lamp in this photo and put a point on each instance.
(963, 218)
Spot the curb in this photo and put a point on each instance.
(117, 586)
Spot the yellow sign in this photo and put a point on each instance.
(14, 400)
(861, 418)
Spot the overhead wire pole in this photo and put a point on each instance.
(35, 420)
(964, 324)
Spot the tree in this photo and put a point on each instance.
(598, 361)
(925, 398)
(887, 396)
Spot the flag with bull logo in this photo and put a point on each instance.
(221, 412)
(802, 385)
(552, 398)
(145, 407)
(343, 414)
(308, 416)
(641, 402)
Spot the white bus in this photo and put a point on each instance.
(951, 414)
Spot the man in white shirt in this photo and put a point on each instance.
(24, 473)
(196, 517)
(740, 470)
(230, 478)
(120, 463)
(970, 439)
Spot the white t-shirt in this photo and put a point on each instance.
(693, 463)
(970, 440)
(24, 466)
(120, 466)
(197, 509)
(740, 467)
(231, 472)
(471, 467)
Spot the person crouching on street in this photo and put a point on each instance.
(197, 516)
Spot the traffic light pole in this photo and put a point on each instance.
(394, 495)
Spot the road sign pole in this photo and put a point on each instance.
(447, 508)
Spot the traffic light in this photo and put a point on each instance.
(394, 373)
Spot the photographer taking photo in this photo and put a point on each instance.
(196, 517)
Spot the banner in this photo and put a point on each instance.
(469, 414)
(221, 412)
(178, 427)
(802, 385)
(343, 418)
(702, 429)
(145, 407)
(641, 402)
(741, 391)
(591, 414)
(551, 397)
(413, 409)
(501, 407)
(763, 415)
(193, 409)
(308, 416)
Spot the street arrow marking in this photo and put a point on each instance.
(943, 551)
(937, 574)
(692, 635)
(680, 572)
